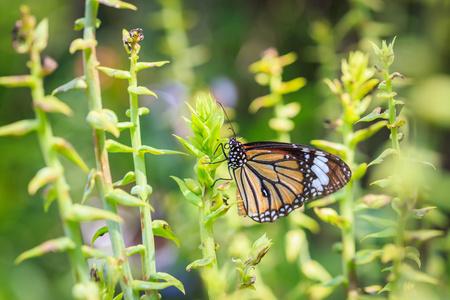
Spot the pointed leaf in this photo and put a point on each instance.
(56, 245)
(145, 65)
(168, 278)
(423, 235)
(78, 83)
(199, 263)
(117, 4)
(49, 195)
(291, 85)
(142, 191)
(195, 187)
(101, 231)
(115, 73)
(66, 149)
(336, 281)
(337, 149)
(123, 198)
(140, 90)
(104, 119)
(386, 288)
(375, 201)
(161, 228)
(294, 241)
(379, 222)
(124, 125)
(364, 134)
(79, 24)
(81, 44)
(383, 182)
(115, 147)
(187, 193)
(263, 101)
(80, 213)
(43, 177)
(148, 149)
(414, 254)
(140, 285)
(128, 178)
(389, 232)
(89, 184)
(19, 128)
(375, 114)
(367, 255)
(90, 252)
(191, 148)
(307, 222)
(135, 250)
(420, 213)
(41, 35)
(51, 104)
(17, 81)
(329, 215)
(220, 212)
(141, 111)
(417, 276)
(315, 271)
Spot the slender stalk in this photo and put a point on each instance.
(80, 268)
(104, 182)
(208, 245)
(275, 81)
(348, 232)
(148, 257)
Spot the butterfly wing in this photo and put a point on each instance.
(279, 177)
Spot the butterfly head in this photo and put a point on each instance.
(236, 156)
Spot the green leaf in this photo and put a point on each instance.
(101, 231)
(417, 276)
(148, 149)
(43, 177)
(389, 232)
(315, 271)
(115, 147)
(19, 128)
(325, 201)
(142, 191)
(187, 193)
(333, 148)
(90, 252)
(360, 171)
(263, 101)
(123, 198)
(423, 235)
(162, 228)
(140, 285)
(145, 65)
(367, 255)
(329, 215)
(194, 186)
(67, 150)
(364, 134)
(89, 184)
(124, 125)
(420, 213)
(379, 222)
(382, 156)
(115, 73)
(51, 104)
(104, 119)
(117, 4)
(49, 195)
(168, 278)
(79, 24)
(413, 254)
(336, 281)
(128, 178)
(81, 44)
(41, 35)
(191, 148)
(199, 263)
(141, 111)
(218, 213)
(375, 114)
(61, 244)
(135, 250)
(386, 288)
(291, 85)
(383, 182)
(375, 201)
(281, 124)
(17, 81)
(307, 222)
(386, 95)
(78, 83)
(140, 90)
(294, 242)
(80, 213)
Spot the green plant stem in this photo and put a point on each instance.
(346, 209)
(275, 82)
(80, 268)
(210, 270)
(148, 257)
(104, 181)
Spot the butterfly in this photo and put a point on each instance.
(274, 178)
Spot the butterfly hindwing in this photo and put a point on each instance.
(278, 177)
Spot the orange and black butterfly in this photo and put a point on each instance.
(275, 178)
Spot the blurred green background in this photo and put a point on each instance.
(212, 52)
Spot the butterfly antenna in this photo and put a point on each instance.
(225, 112)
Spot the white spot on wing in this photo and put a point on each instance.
(318, 162)
(321, 175)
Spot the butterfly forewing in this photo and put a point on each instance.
(275, 178)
